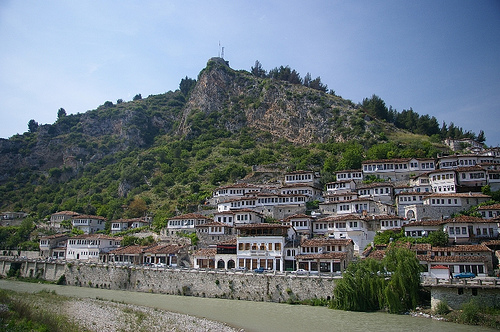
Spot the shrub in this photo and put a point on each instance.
(442, 308)
(470, 313)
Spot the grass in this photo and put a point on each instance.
(25, 312)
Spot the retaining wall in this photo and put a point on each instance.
(204, 283)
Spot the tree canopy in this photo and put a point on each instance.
(369, 285)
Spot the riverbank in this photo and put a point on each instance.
(252, 316)
(97, 315)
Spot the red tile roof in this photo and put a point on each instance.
(189, 216)
(319, 242)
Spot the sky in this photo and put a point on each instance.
(438, 57)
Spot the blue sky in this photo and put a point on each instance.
(440, 58)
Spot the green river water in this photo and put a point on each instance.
(256, 316)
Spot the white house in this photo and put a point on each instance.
(418, 229)
(301, 189)
(443, 180)
(397, 169)
(57, 218)
(88, 224)
(301, 223)
(236, 190)
(184, 223)
(351, 174)
(420, 183)
(91, 247)
(472, 176)
(308, 177)
(489, 211)
(340, 187)
(378, 191)
(121, 225)
(50, 244)
(214, 232)
(325, 255)
(352, 227)
(262, 245)
(467, 229)
(442, 206)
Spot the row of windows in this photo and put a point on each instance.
(260, 246)
(184, 222)
(377, 191)
(84, 253)
(443, 177)
(437, 201)
(444, 188)
(298, 177)
(352, 224)
(86, 242)
(491, 214)
(410, 199)
(338, 199)
(348, 176)
(479, 175)
(243, 217)
(297, 192)
(228, 219)
(390, 223)
(306, 250)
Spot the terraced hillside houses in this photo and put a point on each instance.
(294, 223)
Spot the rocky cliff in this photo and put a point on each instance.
(287, 111)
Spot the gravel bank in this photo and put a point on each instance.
(98, 315)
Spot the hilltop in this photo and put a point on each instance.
(164, 154)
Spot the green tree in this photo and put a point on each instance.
(137, 97)
(481, 138)
(351, 157)
(32, 126)
(317, 85)
(437, 238)
(187, 85)
(401, 291)
(61, 113)
(257, 70)
(361, 287)
(137, 208)
(128, 240)
(375, 107)
(369, 285)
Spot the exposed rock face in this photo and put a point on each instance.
(293, 112)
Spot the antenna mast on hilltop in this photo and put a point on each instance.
(221, 51)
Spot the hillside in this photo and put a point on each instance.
(165, 153)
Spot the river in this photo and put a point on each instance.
(256, 316)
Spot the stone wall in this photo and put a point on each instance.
(219, 284)
(456, 296)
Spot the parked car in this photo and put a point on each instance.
(301, 271)
(259, 270)
(240, 268)
(463, 275)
